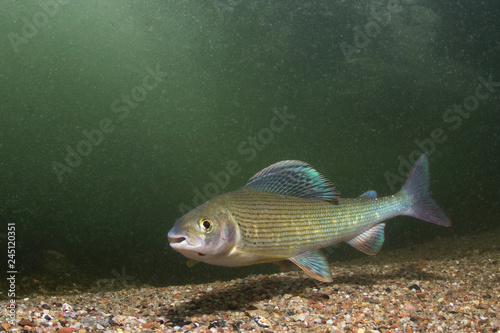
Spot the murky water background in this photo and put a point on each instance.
(118, 116)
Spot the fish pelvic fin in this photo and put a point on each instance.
(416, 188)
(315, 264)
(370, 241)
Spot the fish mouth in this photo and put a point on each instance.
(181, 244)
(176, 240)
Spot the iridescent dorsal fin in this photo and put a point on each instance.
(294, 178)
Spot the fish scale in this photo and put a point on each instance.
(293, 225)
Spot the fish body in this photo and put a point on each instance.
(289, 211)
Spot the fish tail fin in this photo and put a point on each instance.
(416, 188)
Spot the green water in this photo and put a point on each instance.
(118, 116)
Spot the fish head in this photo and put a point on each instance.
(207, 233)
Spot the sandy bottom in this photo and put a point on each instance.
(450, 285)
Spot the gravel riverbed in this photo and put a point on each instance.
(449, 285)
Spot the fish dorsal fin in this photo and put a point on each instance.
(370, 241)
(371, 194)
(315, 264)
(294, 178)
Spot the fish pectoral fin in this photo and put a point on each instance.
(370, 241)
(315, 264)
(191, 262)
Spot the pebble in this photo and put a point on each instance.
(66, 330)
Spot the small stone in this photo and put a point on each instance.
(414, 287)
(262, 322)
(254, 313)
(300, 317)
(416, 318)
(120, 320)
(260, 317)
(26, 322)
(66, 330)
(66, 307)
(409, 307)
(372, 300)
(215, 324)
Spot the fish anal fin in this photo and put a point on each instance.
(370, 241)
(315, 264)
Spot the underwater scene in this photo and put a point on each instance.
(238, 166)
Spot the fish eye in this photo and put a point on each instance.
(206, 225)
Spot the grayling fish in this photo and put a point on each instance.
(289, 211)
